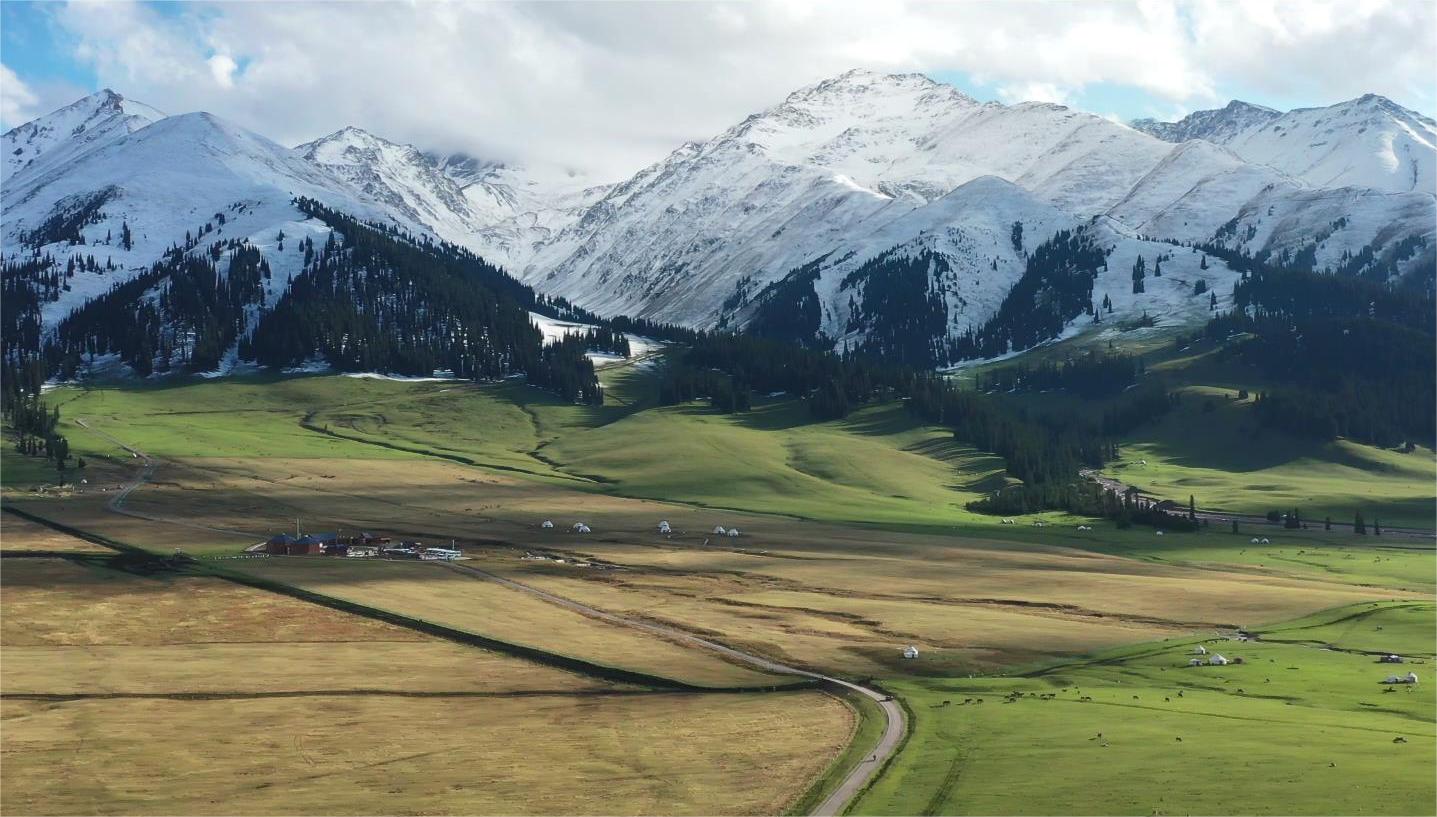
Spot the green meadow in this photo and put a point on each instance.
(1293, 729)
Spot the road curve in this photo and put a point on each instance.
(117, 502)
(862, 774)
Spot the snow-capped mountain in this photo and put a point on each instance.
(70, 132)
(1218, 126)
(1369, 142)
(827, 212)
(181, 180)
(500, 210)
(843, 171)
(400, 177)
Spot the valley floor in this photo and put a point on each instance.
(854, 543)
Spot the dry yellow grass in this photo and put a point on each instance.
(22, 534)
(285, 707)
(434, 592)
(604, 754)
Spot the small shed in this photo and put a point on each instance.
(910, 651)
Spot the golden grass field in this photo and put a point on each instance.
(437, 593)
(22, 534)
(184, 695)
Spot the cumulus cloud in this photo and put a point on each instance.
(609, 87)
(222, 68)
(17, 101)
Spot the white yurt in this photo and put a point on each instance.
(1217, 660)
(910, 651)
(732, 533)
(664, 527)
(548, 523)
(718, 529)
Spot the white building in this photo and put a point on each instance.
(910, 651)
(1217, 661)
(664, 527)
(718, 529)
(361, 552)
(548, 523)
(439, 554)
(732, 533)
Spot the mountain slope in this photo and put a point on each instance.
(400, 177)
(1218, 126)
(1369, 142)
(66, 134)
(821, 176)
(187, 181)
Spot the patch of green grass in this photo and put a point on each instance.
(1211, 447)
(20, 471)
(878, 465)
(1294, 729)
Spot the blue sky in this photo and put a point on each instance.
(632, 80)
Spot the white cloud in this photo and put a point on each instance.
(612, 86)
(17, 101)
(1032, 92)
(222, 68)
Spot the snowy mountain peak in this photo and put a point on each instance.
(72, 131)
(1217, 126)
(1369, 141)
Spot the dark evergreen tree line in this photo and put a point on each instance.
(1092, 375)
(1353, 358)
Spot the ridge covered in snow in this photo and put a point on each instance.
(838, 169)
(815, 199)
(73, 130)
(1369, 142)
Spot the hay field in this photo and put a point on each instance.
(17, 533)
(290, 708)
(437, 593)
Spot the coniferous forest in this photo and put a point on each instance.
(1349, 357)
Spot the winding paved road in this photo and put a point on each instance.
(865, 771)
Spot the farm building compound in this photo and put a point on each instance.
(315, 544)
